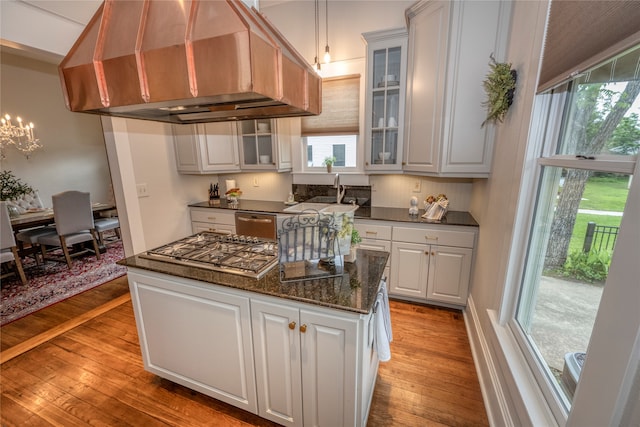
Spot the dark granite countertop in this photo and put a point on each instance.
(459, 218)
(354, 291)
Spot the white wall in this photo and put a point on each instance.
(73, 156)
(348, 19)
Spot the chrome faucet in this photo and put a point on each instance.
(340, 189)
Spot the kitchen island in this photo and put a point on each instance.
(297, 353)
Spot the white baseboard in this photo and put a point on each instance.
(510, 392)
(494, 401)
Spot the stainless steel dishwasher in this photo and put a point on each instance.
(254, 224)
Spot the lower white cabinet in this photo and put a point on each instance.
(305, 365)
(293, 363)
(212, 219)
(409, 270)
(428, 262)
(200, 338)
(432, 263)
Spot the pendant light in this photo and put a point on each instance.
(316, 62)
(327, 55)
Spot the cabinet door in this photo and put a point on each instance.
(329, 366)
(276, 339)
(219, 147)
(409, 268)
(428, 44)
(286, 131)
(256, 141)
(385, 98)
(449, 271)
(183, 329)
(185, 144)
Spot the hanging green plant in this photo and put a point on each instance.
(500, 86)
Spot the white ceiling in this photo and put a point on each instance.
(79, 11)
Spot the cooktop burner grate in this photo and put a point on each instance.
(243, 255)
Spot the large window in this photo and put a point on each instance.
(584, 172)
(334, 133)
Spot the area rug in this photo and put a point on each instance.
(54, 282)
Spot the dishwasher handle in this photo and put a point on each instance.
(255, 220)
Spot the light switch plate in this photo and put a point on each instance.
(142, 190)
(417, 185)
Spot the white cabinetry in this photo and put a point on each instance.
(293, 363)
(182, 329)
(212, 219)
(450, 44)
(385, 98)
(265, 144)
(432, 263)
(305, 365)
(206, 148)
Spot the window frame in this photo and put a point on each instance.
(546, 125)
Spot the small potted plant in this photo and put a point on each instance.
(12, 188)
(329, 161)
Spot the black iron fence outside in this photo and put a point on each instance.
(600, 237)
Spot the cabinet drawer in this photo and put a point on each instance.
(463, 239)
(373, 231)
(198, 227)
(213, 215)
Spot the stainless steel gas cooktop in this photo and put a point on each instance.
(229, 253)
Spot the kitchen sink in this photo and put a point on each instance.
(335, 208)
(305, 206)
(327, 208)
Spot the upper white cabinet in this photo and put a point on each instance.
(450, 44)
(265, 144)
(385, 98)
(206, 148)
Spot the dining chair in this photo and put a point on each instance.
(8, 248)
(73, 218)
(31, 236)
(106, 224)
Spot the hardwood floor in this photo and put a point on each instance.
(86, 369)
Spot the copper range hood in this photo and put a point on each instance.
(186, 61)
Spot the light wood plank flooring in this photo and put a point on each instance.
(85, 368)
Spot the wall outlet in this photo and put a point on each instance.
(142, 190)
(417, 186)
(255, 182)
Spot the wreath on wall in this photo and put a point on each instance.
(500, 86)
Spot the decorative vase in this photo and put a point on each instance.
(329, 168)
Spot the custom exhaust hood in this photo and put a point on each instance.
(186, 61)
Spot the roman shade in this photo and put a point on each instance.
(340, 108)
(582, 34)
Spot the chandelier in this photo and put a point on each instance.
(19, 136)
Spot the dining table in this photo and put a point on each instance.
(44, 216)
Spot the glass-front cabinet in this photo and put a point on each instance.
(265, 144)
(385, 98)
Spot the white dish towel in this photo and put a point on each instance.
(384, 334)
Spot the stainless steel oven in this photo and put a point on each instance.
(257, 225)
